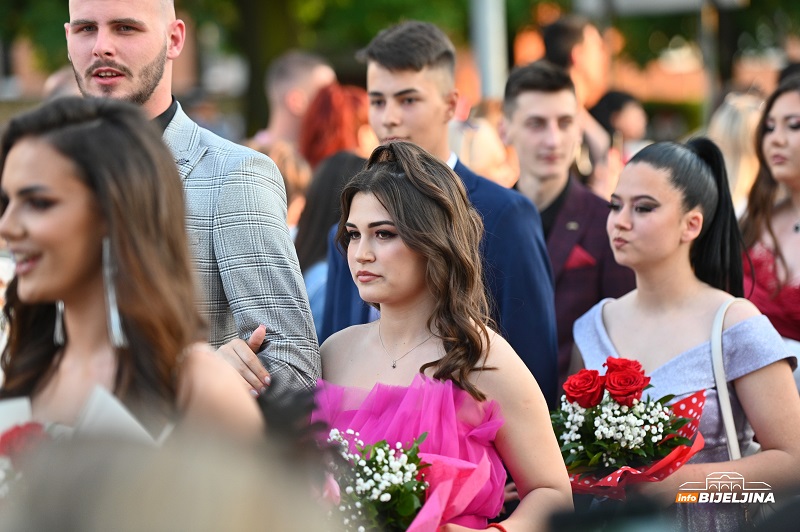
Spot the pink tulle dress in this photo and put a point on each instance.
(466, 475)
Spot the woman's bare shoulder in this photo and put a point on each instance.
(343, 345)
(505, 371)
(740, 310)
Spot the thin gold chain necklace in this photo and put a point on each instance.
(394, 360)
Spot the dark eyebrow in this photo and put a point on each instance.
(640, 197)
(128, 22)
(373, 224)
(398, 94)
(81, 22)
(119, 21)
(33, 189)
(405, 92)
(26, 191)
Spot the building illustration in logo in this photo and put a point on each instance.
(725, 486)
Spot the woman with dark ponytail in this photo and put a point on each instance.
(672, 221)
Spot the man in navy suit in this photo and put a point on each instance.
(410, 81)
(540, 120)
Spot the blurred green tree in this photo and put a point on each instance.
(259, 30)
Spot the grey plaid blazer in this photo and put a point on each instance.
(244, 257)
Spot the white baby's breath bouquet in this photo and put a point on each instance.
(381, 486)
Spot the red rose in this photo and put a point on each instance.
(625, 385)
(585, 388)
(615, 364)
(21, 439)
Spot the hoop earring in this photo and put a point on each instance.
(115, 331)
(58, 332)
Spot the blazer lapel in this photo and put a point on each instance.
(566, 231)
(182, 137)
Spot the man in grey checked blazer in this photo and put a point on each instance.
(252, 290)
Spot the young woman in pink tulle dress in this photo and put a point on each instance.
(431, 363)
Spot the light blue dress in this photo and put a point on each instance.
(746, 347)
(315, 278)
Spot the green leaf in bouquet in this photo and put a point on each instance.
(681, 440)
(407, 504)
(666, 399)
(594, 460)
(604, 444)
(678, 423)
(639, 451)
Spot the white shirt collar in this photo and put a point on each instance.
(452, 160)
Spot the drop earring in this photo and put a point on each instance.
(115, 331)
(58, 332)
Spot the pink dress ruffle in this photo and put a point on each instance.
(466, 475)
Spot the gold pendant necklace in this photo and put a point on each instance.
(394, 360)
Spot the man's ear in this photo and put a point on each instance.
(502, 130)
(575, 56)
(451, 99)
(693, 225)
(176, 38)
(295, 101)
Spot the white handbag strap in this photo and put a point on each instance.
(722, 384)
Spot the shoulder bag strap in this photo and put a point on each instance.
(722, 383)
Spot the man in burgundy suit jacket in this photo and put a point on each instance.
(540, 121)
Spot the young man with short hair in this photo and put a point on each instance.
(575, 44)
(540, 120)
(292, 81)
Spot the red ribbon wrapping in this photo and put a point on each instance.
(613, 484)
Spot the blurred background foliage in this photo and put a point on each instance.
(259, 30)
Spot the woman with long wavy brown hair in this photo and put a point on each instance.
(103, 293)
(432, 363)
(771, 222)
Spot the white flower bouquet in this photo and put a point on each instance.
(381, 487)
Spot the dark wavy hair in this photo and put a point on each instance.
(433, 216)
(697, 170)
(764, 193)
(120, 157)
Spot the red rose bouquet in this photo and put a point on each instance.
(610, 437)
(14, 443)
